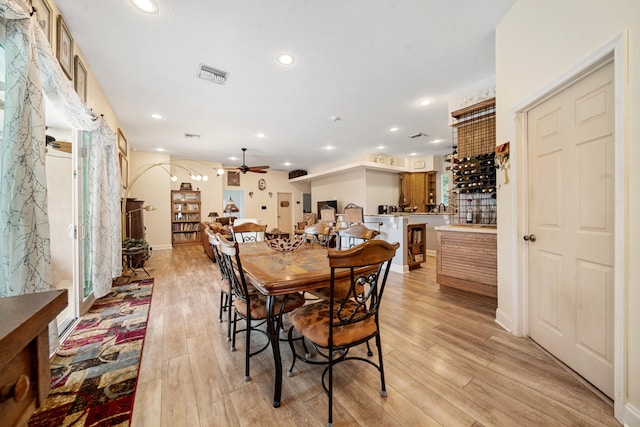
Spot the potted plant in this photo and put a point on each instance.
(139, 249)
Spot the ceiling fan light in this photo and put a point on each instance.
(174, 178)
(220, 171)
(205, 178)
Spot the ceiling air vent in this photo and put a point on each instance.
(191, 136)
(211, 74)
(418, 135)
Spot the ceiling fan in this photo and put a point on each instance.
(58, 145)
(244, 168)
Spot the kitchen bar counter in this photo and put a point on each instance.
(467, 229)
(466, 262)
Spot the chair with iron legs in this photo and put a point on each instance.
(248, 232)
(346, 321)
(248, 303)
(319, 234)
(224, 286)
(357, 233)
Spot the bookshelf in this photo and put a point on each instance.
(416, 245)
(185, 217)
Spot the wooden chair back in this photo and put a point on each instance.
(358, 231)
(317, 233)
(248, 232)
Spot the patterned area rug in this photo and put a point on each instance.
(94, 373)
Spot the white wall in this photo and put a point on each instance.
(536, 43)
(346, 187)
(277, 182)
(382, 188)
(153, 187)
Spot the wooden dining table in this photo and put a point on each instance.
(276, 273)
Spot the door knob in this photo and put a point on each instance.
(530, 237)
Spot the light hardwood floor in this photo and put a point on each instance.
(446, 363)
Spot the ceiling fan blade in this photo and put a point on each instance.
(258, 167)
(61, 146)
(257, 170)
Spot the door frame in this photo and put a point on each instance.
(614, 51)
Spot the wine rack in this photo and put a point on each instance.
(474, 179)
(473, 164)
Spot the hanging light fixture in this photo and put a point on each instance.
(231, 207)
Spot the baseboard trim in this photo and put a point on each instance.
(504, 320)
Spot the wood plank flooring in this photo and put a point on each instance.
(447, 363)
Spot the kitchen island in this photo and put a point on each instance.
(395, 228)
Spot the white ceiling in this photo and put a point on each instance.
(367, 61)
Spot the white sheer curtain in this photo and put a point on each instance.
(25, 259)
(105, 227)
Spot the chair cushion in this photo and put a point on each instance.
(312, 321)
(258, 303)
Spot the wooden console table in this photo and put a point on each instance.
(25, 374)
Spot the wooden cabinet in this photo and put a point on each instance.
(466, 264)
(418, 190)
(185, 217)
(25, 373)
(416, 245)
(135, 219)
(431, 198)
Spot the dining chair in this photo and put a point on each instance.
(353, 214)
(224, 286)
(336, 325)
(328, 215)
(249, 304)
(319, 233)
(248, 232)
(357, 233)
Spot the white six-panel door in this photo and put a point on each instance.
(571, 224)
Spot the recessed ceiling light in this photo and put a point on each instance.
(287, 164)
(286, 59)
(393, 129)
(162, 150)
(329, 147)
(147, 6)
(425, 102)
(437, 141)
(380, 147)
(413, 154)
(157, 116)
(260, 135)
(233, 158)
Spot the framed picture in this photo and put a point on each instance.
(122, 142)
(64, 50)
(44, 14)
(233, 179)
(80, 80)
(124, 171)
